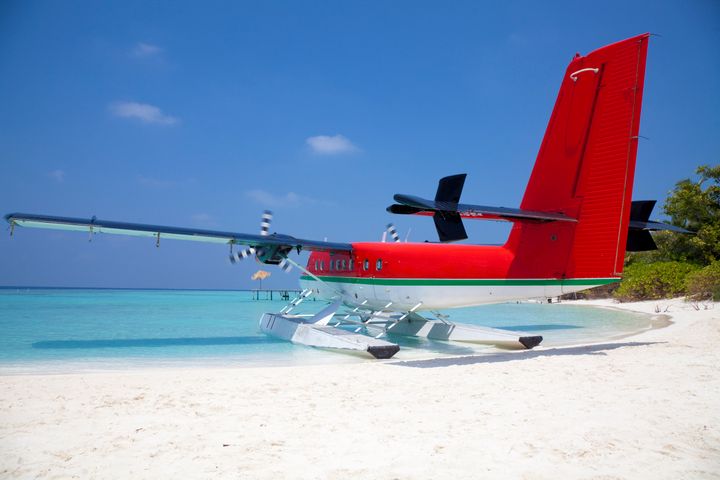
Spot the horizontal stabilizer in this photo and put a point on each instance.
(448, 213)
(639, 237)
(416, 205)
(654, 226)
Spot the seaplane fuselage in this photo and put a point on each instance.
(429, 276)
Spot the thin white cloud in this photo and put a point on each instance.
(146, 50)
(57, 175)
(331, 145)
(143, 112)
(270, 200)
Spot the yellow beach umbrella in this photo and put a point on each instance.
(260, 275)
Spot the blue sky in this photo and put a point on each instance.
(205, 113)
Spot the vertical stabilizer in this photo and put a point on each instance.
(585, 168)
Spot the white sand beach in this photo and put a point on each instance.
(645, 406)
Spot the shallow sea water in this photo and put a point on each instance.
(68, 330)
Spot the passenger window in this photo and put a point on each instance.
(378, 264)
(366, 264)
(351, 265)
(316, 265)
(331, 265)
(337, 265)
(322, 265)
(344, 265)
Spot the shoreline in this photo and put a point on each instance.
(658, 320)
(640, 407)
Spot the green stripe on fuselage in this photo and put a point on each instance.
(455, 282)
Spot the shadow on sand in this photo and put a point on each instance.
(598, 349)
(154, 342)
(419, 343)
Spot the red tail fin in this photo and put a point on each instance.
(585, 168)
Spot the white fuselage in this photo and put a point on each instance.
(430, 296)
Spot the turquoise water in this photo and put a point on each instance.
(75, 330)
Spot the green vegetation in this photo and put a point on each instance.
(683, 264)
(649, 281)
(704, 284)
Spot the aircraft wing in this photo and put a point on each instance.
(271, 244)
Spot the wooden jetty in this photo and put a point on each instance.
(283, 294)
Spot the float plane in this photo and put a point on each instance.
(575, 222)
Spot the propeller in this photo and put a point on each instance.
(241, 255)
(265, 222)
(260, 251)
(393, 232)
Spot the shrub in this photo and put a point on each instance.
(650, 281)
(704, 284)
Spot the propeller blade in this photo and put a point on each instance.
(285, 265)
(393, 232)
(265, 223)
(241, 255)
